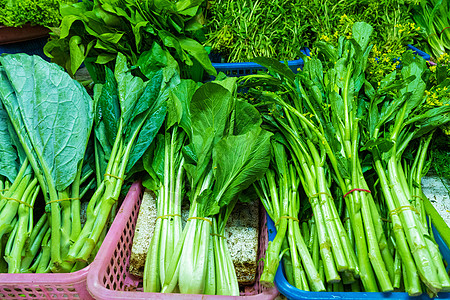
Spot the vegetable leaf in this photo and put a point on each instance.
(239, 161)
(44, 91)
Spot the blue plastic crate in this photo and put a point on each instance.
(31, 47)
(293, 293)
(424, 55)
(248, 68)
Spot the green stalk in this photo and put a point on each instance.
(76, 204)
(191, 250)
(412, 278)
(36, 237)
(374, 252)
(296, 265)
(308, 264)
(225, 274)
(381, 238)
(33, 267)
(110, 196)
(315, 247)
(416, 178)
(44, 262)
(21, 236)
(66, 224)
(16, 191)
(163, 242)
(414, 235)
(194, 260)
(10, 240)
(324, 200)
(304, 279)
(293, 212)
(287, 263)
(348, 228)
(210, 283)
(152, 268)
(397, 270)
(90, 219)
(274, 247)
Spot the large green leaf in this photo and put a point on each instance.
(227, 82)
(275, 66)
(178, 103)
(57, 113)
(209, 115)
(149, 95)
(238, 161)
(207, 205)
(154, 160)
(247, 118)
(188, 7)
(198, 52)
(171, 41)
(19, 136)
(361, 32)
(152, 61)
(416, 88)
(109, 106)
(130, 88)
(146, 135)
(8, 155)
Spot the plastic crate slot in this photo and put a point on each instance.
(116, 250)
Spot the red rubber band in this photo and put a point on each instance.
(361, 190)
(444, 29)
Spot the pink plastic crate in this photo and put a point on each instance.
(45, 286)
(108, 277)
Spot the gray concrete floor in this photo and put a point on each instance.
(436, 190)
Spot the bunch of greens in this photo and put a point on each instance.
(18, 195)
(129, 110)
(15, 13)
(432, 16)
(279, 193)
(165, 164)
(226, 151)
(51, 136)
(96, 31)
(244, 29)
(350, 127)
(394, 28)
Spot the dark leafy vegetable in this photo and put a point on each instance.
(40, 100)
(129, 113)
(96, 31)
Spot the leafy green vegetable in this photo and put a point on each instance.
(35, 12)
(133, 109)
(219, 165)
(40, 100)
(327, 116)
(97, 31)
